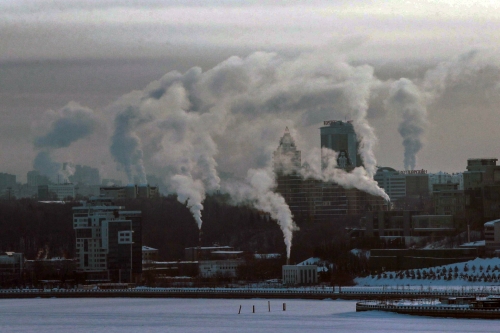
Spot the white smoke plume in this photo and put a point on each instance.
(405, 99)
(322, 165)
(471, 76)
(65, 126)
(163, 124)
(126, 144)
(189, 126)
(358, 91)
(190, 192)
(55, 171)
(257, 190)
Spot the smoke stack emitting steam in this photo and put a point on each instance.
(187, 127)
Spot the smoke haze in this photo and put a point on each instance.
(405, 99)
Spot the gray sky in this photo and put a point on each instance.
(93, 52)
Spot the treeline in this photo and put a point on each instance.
(45, 229)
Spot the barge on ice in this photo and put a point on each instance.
(455, 307)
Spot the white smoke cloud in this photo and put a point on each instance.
(190, 192)
(322, 165)
(189, 126)
(65, 126)
(405, 99)
(471, 77)
(126, 144)
(257, 190)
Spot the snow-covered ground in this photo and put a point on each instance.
(122, 315)
(477, 272)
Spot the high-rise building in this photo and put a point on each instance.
(7, 180)
(481, 172)
(446, 178)
(85, 175)
(286, 159)
(35, 179)
(312, 200)
(399, 184)
(340, 136)
(482, 187)
(108, 241)
(56, 191)
(392, 181)
(448, 199)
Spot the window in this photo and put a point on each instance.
(125, 237)
(84, 233)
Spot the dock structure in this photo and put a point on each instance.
(478, 308)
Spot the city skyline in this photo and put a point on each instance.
(129, 46)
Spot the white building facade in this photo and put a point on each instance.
(299, 275)
(446, 178)
(392, 181)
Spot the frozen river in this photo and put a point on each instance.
(123, 315)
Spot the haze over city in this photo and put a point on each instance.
(93, 53)
(253, 151)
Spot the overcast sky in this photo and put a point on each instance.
(93, 52)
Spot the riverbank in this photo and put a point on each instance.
(352, 293)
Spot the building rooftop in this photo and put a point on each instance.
(227, 252)
(491, 223)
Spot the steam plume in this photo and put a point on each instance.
(258, 191)
(405, 99)
(188, 126)
(192, 193)
(126, 145)
(66, 126)
(357, 178)
(70, 123)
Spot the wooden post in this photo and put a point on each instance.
(284, 306)
(269, 305)
(239, 311)
(253, 308)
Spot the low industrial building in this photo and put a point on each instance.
(131, 191)
(149, 254)
(11, 266)
(220, 268)
(56, 191)
(294, 275)
(204, 252)
(492, 237)
(409, 226)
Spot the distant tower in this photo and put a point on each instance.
(286, 159)
(339, 136)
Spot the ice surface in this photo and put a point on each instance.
(125, 315)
